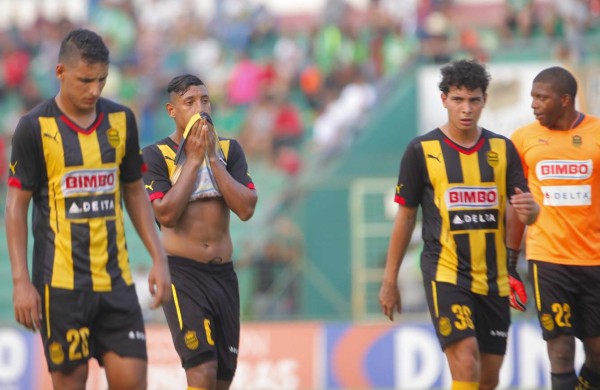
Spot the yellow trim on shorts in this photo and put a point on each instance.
(461, 385)
(536, 286)
(435, 302)
(177, 306)
(47, 300)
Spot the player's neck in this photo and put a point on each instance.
(83, 119)
(464, 138)
(176, 137)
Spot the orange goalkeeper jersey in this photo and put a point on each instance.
(563, 169)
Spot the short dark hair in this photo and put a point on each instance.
(560, 79)
(469, 74)
(84, 44)
(180, 84)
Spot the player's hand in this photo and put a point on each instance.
(389, 299)
(195, 144)
(159, 283)
(209, 135)
(28, 305)
(525, 206)
(518, 294)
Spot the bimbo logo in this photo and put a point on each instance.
(89, 181)
(474, 197)
(564, 169)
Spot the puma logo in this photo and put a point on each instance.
(434, 157)
(51, 136)
(13, 166)
(544, 141)
(169, 158)
(149, 186)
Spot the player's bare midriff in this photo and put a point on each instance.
(202, 233)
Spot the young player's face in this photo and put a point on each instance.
(81, 84)
(193, 101)
(547, 105)
(464, 108)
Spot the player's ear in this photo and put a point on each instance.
(170, 110)
(60, 70)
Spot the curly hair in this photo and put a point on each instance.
(468, 74)
(84, 44)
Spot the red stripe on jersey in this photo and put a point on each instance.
(156, 195)
(78, 129)
(400, 200)
(14, 182)
(144, 168)
(251, 186)
(462, 150)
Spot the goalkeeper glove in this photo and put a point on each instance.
(518, 294)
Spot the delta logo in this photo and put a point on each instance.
(471, 197)
(89, 181)
(564, 169)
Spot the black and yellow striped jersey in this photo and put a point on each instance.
(463, 194)
(74, 175)
(160, 160)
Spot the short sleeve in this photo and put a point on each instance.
(24, 169)
(156, 176)
(131, 166)
(409, 190)
(237, 165)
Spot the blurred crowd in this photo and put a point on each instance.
(287, 87)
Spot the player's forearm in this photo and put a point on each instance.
(169, 208)
(404, 225)
(239, 198)
(515, 228)
(16, 236)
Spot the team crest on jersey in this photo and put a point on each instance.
(191, 340)
(547, 322)
(493, 158)
(56, 353)
(445, 326)
(113, 137)
(576, 140)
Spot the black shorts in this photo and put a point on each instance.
(79, 325)
(567, 299)
(458, 313)
(204, 314)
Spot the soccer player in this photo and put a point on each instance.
(195, 179)
(462, 176)
(560, 151)
(77, 157)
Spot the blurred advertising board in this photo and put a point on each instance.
(304, 355)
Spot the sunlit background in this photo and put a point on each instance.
(323, 95)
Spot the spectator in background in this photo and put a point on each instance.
(277, 266)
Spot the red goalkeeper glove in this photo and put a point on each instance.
(518, 294)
